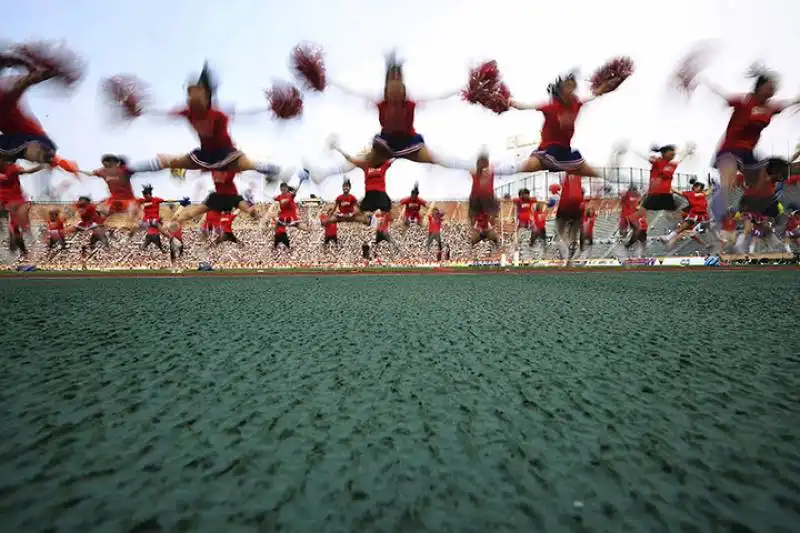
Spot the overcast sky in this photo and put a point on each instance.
(248, 43)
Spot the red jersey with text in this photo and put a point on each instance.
(211, 126)
(559, 123)
(748, 120)
(413, 206)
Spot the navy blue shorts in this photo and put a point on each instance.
(559, 158)
(13, 145)
(399, 145)
(744, 159)
(215, 159)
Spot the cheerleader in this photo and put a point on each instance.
(555, 151)
(224, 198)
(483, 230)
(397, 138)
(375, 196)
(664, 161)
(751, 114)
(791, 232)
(217, 150)
(22, 135)
(587, 231)
(698, 217)
(117, 177)
(482, 198)
(12, 197)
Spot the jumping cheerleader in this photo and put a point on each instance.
(397, 138)
(523, 205)
(760, 198)
(345, 206)
(482, 197)
(151, 211)
(698, 213)
(288, 213)
(90, 220)
(121, 201)
(587, 231)
(629, 209)
(555, 151)
(175, 242)
(375, 196)
(483, 230)
(22, 135)
(217, 151)
(639, 234)
(411, 208)
(539, 228)
(751, 114)
(225, 197)
(12, 197)
(792, 231)
(662, 171)
(56, 236)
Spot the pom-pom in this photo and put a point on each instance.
(552, 201)
(611, 75)
(485, 88)
(127, 93)
(685, 76)
(185, 201)
(286, 101)
(309, 66)
(54, 59)
(555, 188)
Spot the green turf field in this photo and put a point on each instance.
(586, 402)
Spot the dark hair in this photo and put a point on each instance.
(777, 168)
(761, 75)
(662, 149)
(147, 189)
(283, 184)
(415, 191)
(346, 182)
(394, 70)
(207, 82)
(555, 87)
(84, 199)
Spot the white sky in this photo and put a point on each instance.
(249, 41)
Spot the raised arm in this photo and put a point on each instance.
(32, 170)
(22, 83)
(515, 104)
(347, 90)
(437, 98)
(687, 153)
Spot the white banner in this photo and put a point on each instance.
(682, 261)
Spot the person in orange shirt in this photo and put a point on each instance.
(435, 219)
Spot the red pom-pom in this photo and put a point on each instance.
(611, 75)
(555, 188)
(126, 93)
(55, 59)
(685, 77)
(286, 101)
(308, 65)
(485, 88)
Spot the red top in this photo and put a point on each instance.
(540, 219)
(482, 183)
(212, 219)
(524, 208)
(435, 223)
(641, 223)
(384, 222)
(729, 223)
(88, 213)
(150, 207)
(588, 223)
(559, 122)
(330, 229)
(226, 221)
(223, 182)
(747, 122)
(211, 127)
(571, 190)
(793, 223)
(375, 178)
(397, 119)
(482, 222)
(793, 179)
(629, 203)
(346, 204)
(177, 233)
(118, 182)
(14, 120)
(661, 174)
(413, 206)
(10, 187)
(55, 227)
(287, 208)
(698, 202)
